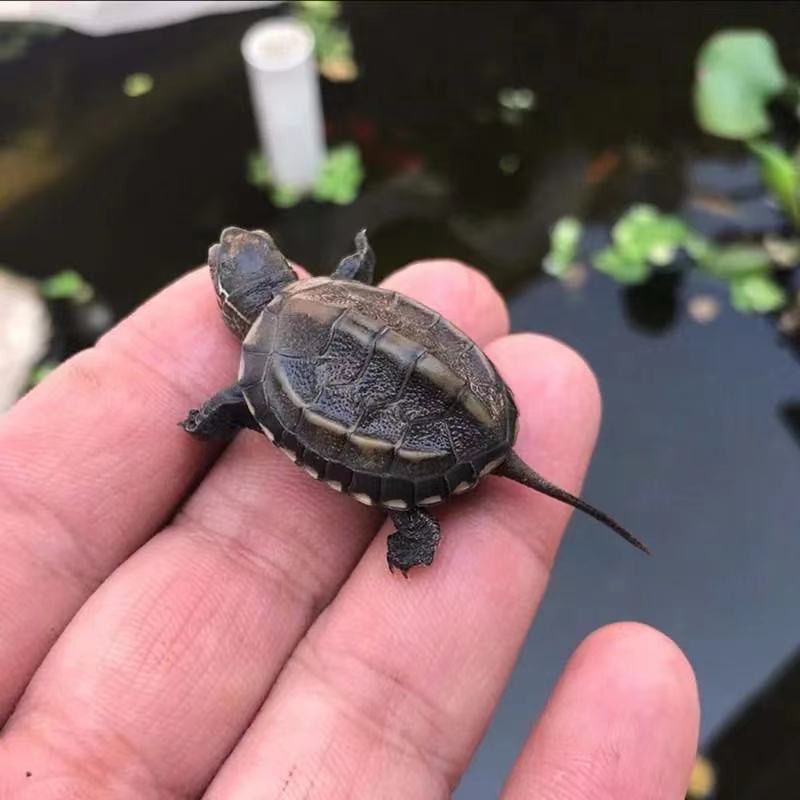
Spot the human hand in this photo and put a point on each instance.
(180, 620)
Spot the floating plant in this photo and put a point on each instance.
(339, 181)
(738, 74)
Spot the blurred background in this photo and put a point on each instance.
(627, 174)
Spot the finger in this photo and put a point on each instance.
(92, 463)
(461, 294)
(391, 689)
(195, 627)
(622, 722)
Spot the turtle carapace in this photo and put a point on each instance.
(369, 391)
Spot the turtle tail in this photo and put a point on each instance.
(517, 470)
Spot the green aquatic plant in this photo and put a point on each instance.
(645, 240)
(738, 73)
(642, 240)
(734, 260)
(748, 270)
(341, 176)
(138, 84)
(70, 286)
(781, 174)
(333, 45)
(565, 239)
(260, 176)
(41, 371)
(515, 104)
(67, 285)
(339, 181)
(517, 99)
(757, 293)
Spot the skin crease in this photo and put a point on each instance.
(212, 623)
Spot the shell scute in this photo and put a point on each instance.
(384, 376)
(281, 395)
(301, 375)
(371, 455)
(375, 393)
(387, 421)
(467, 437)
(252, 367)
(430, 391)
(304, 327)
(345, 357)
(328, 436)
(427, 435)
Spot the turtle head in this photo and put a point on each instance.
(247, 270)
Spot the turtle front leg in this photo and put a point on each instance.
(415, 540)
(358, 266)
(221, 416)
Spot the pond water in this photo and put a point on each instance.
(694, 448)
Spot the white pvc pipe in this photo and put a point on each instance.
(284, 87)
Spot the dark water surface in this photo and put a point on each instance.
(694, 452)
(131, 191)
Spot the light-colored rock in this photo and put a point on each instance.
(24, 334)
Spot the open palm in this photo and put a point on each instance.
(178, 620)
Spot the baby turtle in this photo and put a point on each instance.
(369, 391)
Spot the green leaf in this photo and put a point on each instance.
(41, 372)
(522, 99)
(138, 84)
(341, 176)
(258, 172)
(737, 74)
(622, 269)
(644, 234)
(732, 261)
(66, 285)
(645, 238)
(565, 237)
(284, 197)
(260, 176)
(338, 182)
(320, 10)
(757, 293)
(781, 174)
(332, 42)
(697, 246)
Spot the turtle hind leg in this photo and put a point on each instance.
(358, 266)
(517, 470)
(221, 416)
(415, 540)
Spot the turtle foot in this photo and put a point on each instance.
(415, 541)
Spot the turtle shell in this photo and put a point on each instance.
(375, 394)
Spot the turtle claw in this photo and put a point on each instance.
(194, 424)
(393, 566)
